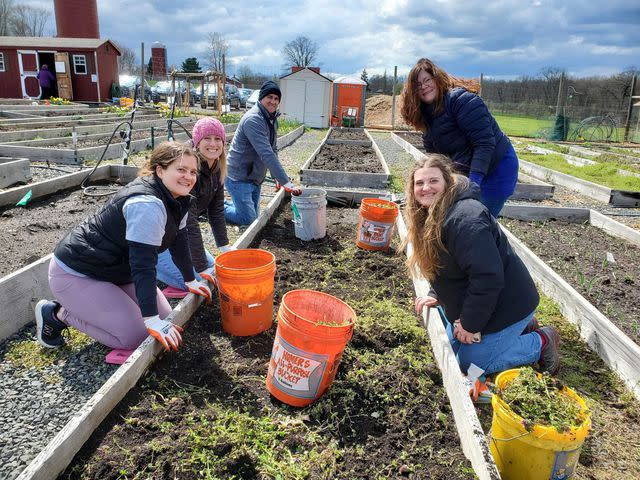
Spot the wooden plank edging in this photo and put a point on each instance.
(472, 438)
(289, 138)
(617, 350)
(59, 452)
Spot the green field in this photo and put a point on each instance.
(523, 126)
(602, 174)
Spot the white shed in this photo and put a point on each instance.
(306, 97)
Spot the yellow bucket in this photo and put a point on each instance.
(541, 454)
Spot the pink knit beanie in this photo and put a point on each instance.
(207, 126)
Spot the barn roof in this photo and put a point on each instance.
(55, 42)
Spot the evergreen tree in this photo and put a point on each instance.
(365, 78)
(191, 65)
(150, 68)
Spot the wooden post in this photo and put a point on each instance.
(203, 104)
(173, 85)
(224, 82)
(627, 122)
(481, 81)
(187, 95)
(561, 96)
(142, 70)
(219, 96)
(393, 98)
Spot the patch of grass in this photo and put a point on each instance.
(254, 447)
(602, 174)
(25, 354)
(287, 126)
(399, 174)
(520, 126)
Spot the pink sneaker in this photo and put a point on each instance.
(172, 292)
(117, 356)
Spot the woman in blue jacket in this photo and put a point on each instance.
(457, 123)
(485, 290)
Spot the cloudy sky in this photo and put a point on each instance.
(504, 38)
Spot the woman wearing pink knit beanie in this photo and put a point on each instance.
(209, 139)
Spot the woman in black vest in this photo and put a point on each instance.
(103, 272)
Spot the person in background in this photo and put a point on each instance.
(103, 271)
(483, 287)
(47, 81)
(208, 138)
(456, 122)
(254, 149)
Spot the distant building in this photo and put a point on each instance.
(158, 61)
(85, 66)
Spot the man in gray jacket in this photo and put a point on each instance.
(254, 150)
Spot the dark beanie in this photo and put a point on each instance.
(269, 87)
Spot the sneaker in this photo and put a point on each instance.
(173, 292)
(550, 354)
(48, 327)
(532, 326)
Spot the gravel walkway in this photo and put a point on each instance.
(41, 391)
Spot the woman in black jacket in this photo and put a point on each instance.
(208, 139)
(457, 123)
(483, 287)
(103, 271)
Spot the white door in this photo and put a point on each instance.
(28, 61)
(314, 114)
(295, 100)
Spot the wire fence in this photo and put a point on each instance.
(575, 109)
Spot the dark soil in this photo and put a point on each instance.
(578, 253)
(31, 232)
(100, 141)
(347, 158)
(204, 412)
(414, 138)
(348, 134)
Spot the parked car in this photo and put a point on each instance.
(244, 94)
(232, 94)
(162, 89)
(253, 99)
(127, 83)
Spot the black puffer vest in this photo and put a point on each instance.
(98, 247)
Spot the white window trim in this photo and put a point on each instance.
(75, 65)
(3, 68)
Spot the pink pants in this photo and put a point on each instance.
(107, 312)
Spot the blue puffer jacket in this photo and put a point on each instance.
(466, 132)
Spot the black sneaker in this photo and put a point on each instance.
(532, 326)
(550, 354)
(48, 327)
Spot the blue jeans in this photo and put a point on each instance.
(498, 351)
(497, 187)
(167, 272)
(245, 205)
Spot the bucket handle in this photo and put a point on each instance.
(248, 305)
(297, 218)
(495, 439)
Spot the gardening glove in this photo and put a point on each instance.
(208, 275)
(289, 187)
(226, 248)
(199, 288)
(165, 332)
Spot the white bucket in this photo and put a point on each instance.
(310, 214)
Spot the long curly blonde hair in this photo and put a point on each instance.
(411, 101)
(424, 224)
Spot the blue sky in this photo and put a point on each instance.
(502, 38)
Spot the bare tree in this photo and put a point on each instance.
(128, 61)
(301, 52)
(6, 7)
(27, 21)
(216, 48)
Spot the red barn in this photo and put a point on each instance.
(85, 68)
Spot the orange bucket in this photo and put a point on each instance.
(245, 287)
(375, 223)
(313, 329)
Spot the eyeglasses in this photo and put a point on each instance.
(426, 83)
